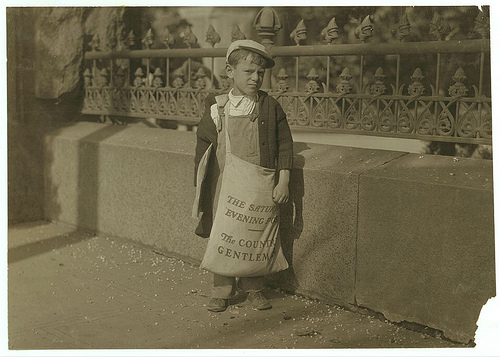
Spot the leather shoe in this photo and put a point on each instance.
(217, 304)
(258, 301)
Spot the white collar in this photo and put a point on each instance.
(237, 99)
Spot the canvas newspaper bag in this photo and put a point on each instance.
(244, 240)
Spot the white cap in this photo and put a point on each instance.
(253, 46)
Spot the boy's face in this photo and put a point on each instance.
(247, 77)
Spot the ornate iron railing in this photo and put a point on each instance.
(351, 104)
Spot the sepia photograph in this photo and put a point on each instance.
(258, 179)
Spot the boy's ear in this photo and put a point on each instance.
(229, 71)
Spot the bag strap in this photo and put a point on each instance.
(221, 101)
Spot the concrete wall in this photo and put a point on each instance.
(406, 235)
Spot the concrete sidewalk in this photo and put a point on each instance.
(74, 290)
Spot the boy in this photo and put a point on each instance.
(252, 126)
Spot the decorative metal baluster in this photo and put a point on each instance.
(130, 39)
(161, 96)
(96, 93)
(456, 91)
(287, 102)
(416, 89)
(237, 34)
(312, 87)
(299, 34)
(377, 89)
(200, 79)
(139, 77)
(482, 24)
(466, 124)
(168, 41)
(189, 39)
(282, 83)
(297, 59)
(344, 87)
(112, 42)
(104, 77)
(147, 43)
(157, 80)
(200, 84)
(213, 38)
(363, 32)
(329, 34)
(144, 94)
(459, 88)
(105, 98)
(87, 82)
(119, 81)
(482, 27)
(178, 84)
(401, 30)
(462, 126)
(439, 28)
(119, 103)
(129, 43)
(480, 90)
(267, 23)
(282, 88)
(87, 78)
(94, 46)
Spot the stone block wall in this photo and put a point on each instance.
(132, 182)
(426, 242)
(45, 53)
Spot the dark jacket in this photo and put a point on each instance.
(275, 143)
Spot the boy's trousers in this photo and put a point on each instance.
(225, 286)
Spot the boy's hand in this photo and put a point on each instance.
(281, 193)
